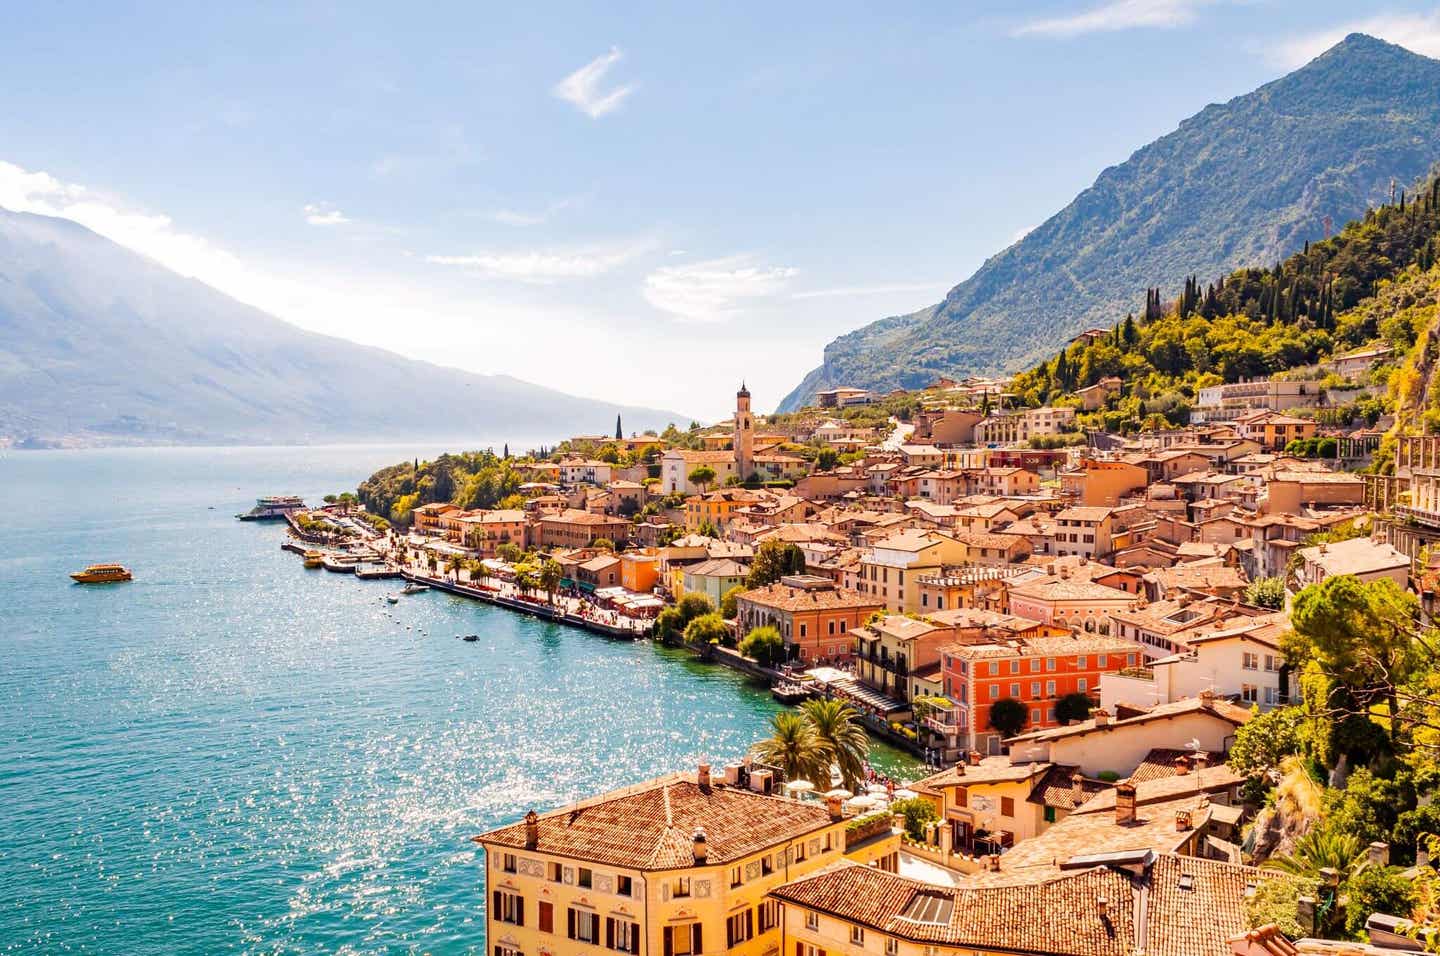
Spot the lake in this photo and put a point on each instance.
(234, 754)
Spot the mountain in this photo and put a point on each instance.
(101, 345)
(1243, 183)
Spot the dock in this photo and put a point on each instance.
(533, 608)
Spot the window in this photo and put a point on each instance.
(1103, 661)
(1251, 662)
(768, 915)
(1270, 696)
(857, 936)
(1049, 814)
(739, 928)
(1015, 691)
(1007, 806)
(547, 917)
(586, 880)
(842, 627)
(892, 946)
(802, 630)
(624, 886)
(509, 907)
(1080, 662)
(736, 876)
(1249, 693)
(584, 925)
(812, 921)
(683, 940)
(1034, 688)
(1014, 667)
(1081, 685)
(994, 691)
(622, 935)
(798, 850)
(1034, 664)
(994, 668)
(507, 863)
(1129, 660)
(827, 846)
(555, 872)
(1035, 716)
(830, 627)
(766, 867)
(1049, 688)
(1049, 663)
(681, 886)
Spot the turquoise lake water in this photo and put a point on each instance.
(234, 754)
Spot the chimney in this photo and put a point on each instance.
(1202, 760)
(992, 863)
(1102, 717)
(532, 830)
(836, 806)
(1077, 788)
(973, 758)
(1102, 907)
(703, 776)
(960, 769)
(1378, 853)
(702, 850)
(1182, 820)
(1125, 804)
(1207, 697)
(1182, 765)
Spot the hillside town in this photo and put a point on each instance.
(1073, 628)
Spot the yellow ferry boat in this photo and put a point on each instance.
(314, 559)
(102, 574)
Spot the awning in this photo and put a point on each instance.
(868, 696)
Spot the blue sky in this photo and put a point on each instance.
(641, 203)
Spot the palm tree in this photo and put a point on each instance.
(796, 749)
(1319, 849)
(835, 724)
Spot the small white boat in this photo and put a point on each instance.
(413, 588)
(392, 599)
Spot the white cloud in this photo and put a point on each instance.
(858, 290)
(711, 291)
(582, 88)
(509, 217)
(1415, 31)
(323, 214)
(543, 266)
(1117, 15)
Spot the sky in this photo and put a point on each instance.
(646, 204)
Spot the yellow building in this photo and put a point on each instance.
(678, 866)
(717, 508)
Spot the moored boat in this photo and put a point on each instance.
(413, 588)
(314, 559)
(102, 574)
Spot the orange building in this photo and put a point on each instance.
(814, 616)
(1036, 672)
(640, 570)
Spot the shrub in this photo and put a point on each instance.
(917, 812)
(765, 645)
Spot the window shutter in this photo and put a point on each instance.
(799, 948)
(495, 905)
(669, 941)
(696, 946)
(634, 939)
(519, 911)
(570, 922)
(609, 932)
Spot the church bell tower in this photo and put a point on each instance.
(744, 442)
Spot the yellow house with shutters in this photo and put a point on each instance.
(678, 866)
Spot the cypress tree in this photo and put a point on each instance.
(619, 433)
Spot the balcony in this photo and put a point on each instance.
(949, 723)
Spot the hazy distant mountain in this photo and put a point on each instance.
(1243, 183)
(100, 343)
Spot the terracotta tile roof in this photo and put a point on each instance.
(989, 770)
(651, 826)
(1157, 764)
(1188, 907)
(785, 598)
(1057, 788)
(1223, 709)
